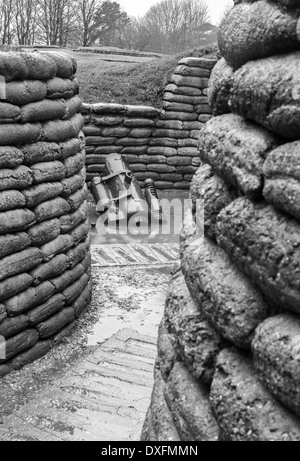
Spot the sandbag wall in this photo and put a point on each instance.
(161, 145)
(228, 365)
(44, 228)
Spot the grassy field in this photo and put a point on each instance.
(128, 81)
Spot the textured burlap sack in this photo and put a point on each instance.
(237, 149)
(222, 293)
(72, 184)
(14, 285)
(16, 220)
(40, 349)
(209, 195)
(64, 63)
(19, 343)
(264, 244)
(244, 409)
(67, 278)
(61, 244)
(9, 113)
(219, 87)
(257, 30)
(17, 134)
(10, 157)
(81, 232)
(19, 178)
(43, 110)
(70, 147)
(51, 209)
(48, 171)
(266, 91)
(72, 106)
(61, 88)
(44, 232)
(21, 93)
(73, 291)
(29, 298)
(70, 221)
(188, 401)
(276, 358)
(44, 311)
(50, 269)
(41, 193)
(74, 164)
(77, 254)
(61, 130)
(11, 199)
(12, 326)
(281, 178)
(49, 327)
(82, 302)
(196, 341)
(41, 152)
(26, 65)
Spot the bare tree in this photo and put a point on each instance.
(25, 19)
(7, 12)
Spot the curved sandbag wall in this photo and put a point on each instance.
(158, 144)
(44, 229)
(228, 363)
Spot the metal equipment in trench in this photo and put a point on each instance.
(117, 194)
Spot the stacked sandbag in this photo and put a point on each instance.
(185, 110)
(232, 314)
(161, 145)
(44, 228)
(113, 128)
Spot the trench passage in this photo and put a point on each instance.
(97, 384)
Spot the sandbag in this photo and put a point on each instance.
(62, 130)
(74, 164)
(226, 297)
(257, 30)
(43, 110)
(45, 310)
(12, 326)
(12, 243)
(44, 232)
(276, 358)
(72, 106)
(209, 195)
(50, 269)
(70, 221)
(29, 298)
(49, 327)
(61, 244)
(17, 134)
(82, 302)
(220, 83)
(264, 244)
(244, 409)
(21, 93)
(19, 178)
(16, 220)
(67, 278)
(11, 199)
(64, 63)
(10, 157)
(61, 88)
(264, 91)
(14, 285)
(73, 291)
(282, 175)
(19, 343)
(70, 147)
(37, 351)
(76, 199)
(81, 232)
(47, 171)
(3, 314)
(188, 401)
(9, 113)
(51, 209)
(71, 185)
(26, 65)
(196, 341)
(167, 356)
(237, 149)
(41, 193)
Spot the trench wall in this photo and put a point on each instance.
(158, 144)
(45, 279)
(228, 363)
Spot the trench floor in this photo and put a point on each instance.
(96, 385)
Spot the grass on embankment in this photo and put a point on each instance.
(131, 83)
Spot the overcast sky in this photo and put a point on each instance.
(140, 7)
